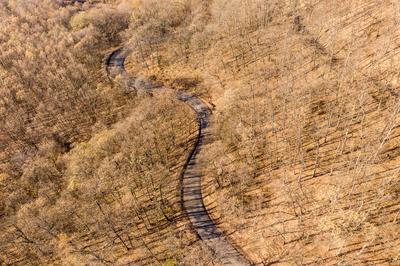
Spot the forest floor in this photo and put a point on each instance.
(304, 158)
(302, 161)
(193, 170)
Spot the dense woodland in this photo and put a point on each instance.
(89, 172)
(303, 167)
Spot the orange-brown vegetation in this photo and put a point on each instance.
(89, 173)
(303, 167)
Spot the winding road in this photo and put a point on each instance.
(191, 177)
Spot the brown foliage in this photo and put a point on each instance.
(303, 167)
(304, 159)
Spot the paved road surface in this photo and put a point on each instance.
(191, 197)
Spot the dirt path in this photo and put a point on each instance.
(191, 194)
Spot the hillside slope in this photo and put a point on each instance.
(305, 165)
(301, 165)
(89, 172)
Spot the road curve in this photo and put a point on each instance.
(191, 193)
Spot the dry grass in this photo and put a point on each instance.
(304, 164)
